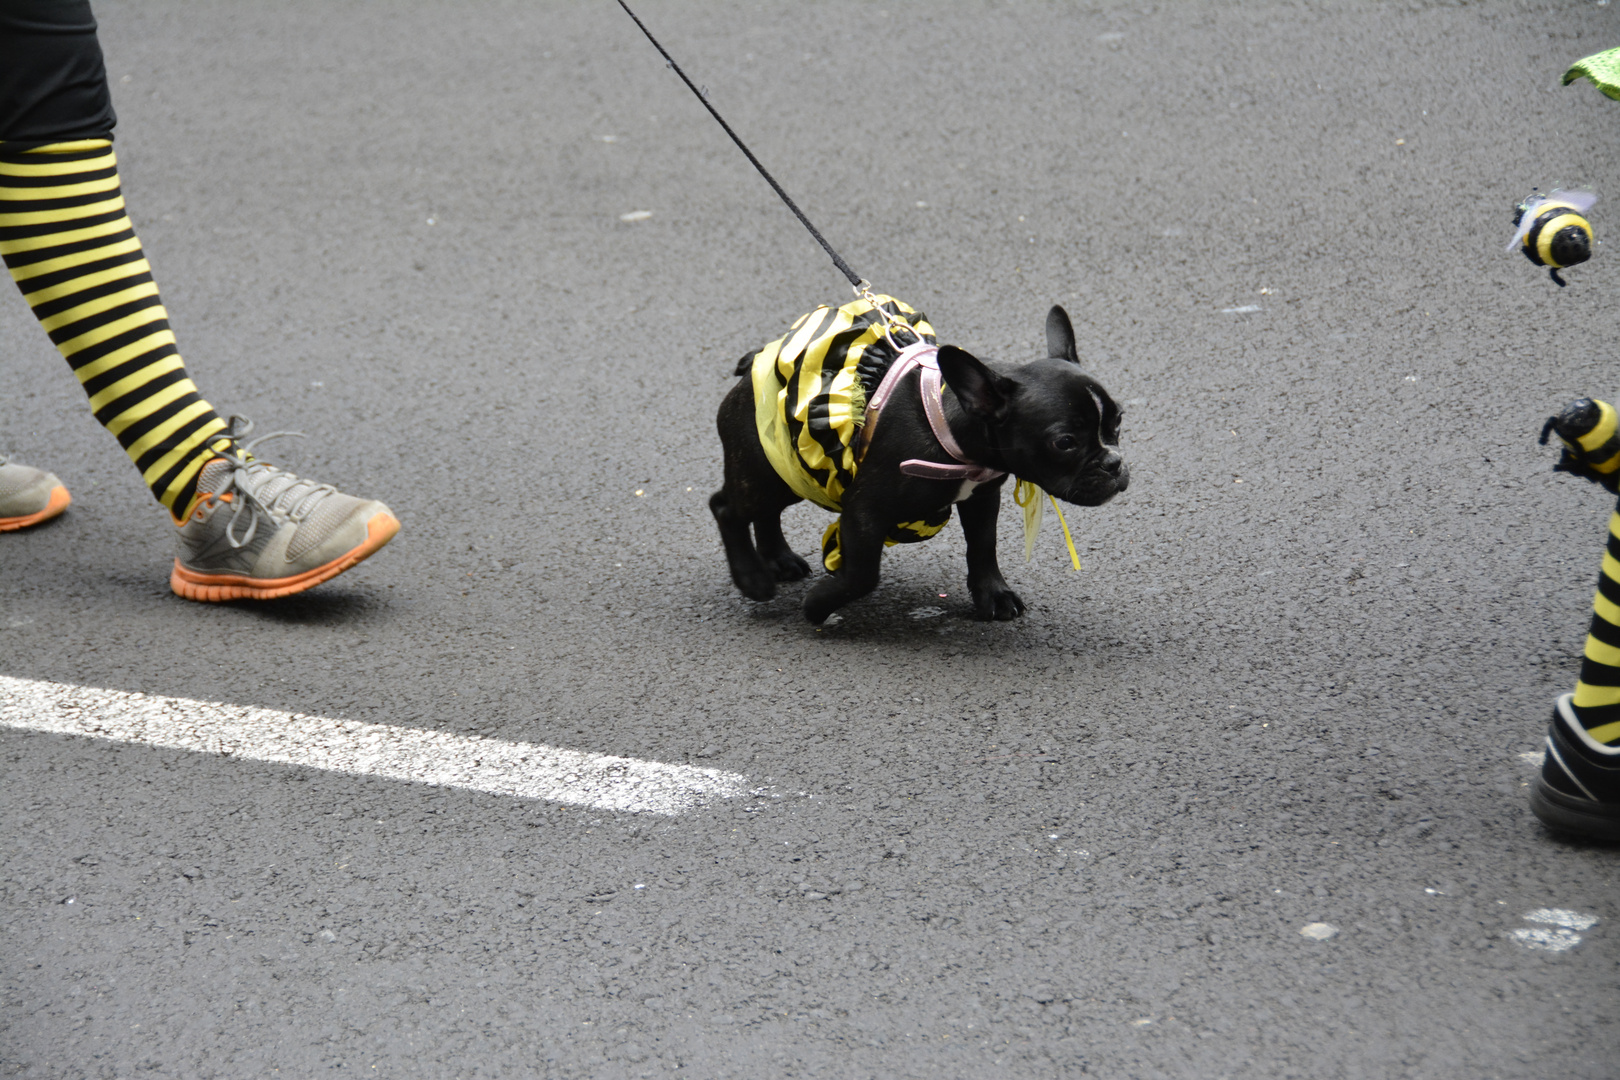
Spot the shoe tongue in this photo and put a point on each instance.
(213, 476)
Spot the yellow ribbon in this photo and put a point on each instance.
(1028, 495)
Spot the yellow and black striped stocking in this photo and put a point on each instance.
(1597, 692)
(72, 250)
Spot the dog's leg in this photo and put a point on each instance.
(748, 570)
(861, 544)
(773, 547)
(752, 494)
(992, 599)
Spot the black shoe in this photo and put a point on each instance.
(1579, 787)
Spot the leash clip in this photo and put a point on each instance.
(863, 290)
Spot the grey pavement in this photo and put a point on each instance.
(1292, 685)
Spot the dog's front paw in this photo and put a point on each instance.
(786, 566)
(994, 601)
(822, 600)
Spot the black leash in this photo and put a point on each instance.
(855, 279)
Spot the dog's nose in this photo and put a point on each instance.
(1111, 463)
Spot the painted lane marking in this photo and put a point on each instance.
(1534, 758)
(472, 763)
(1546, 940)
(1562, 917)
(1561, 929)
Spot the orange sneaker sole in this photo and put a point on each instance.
(212, 588)
(59, 502)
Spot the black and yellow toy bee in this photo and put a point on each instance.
(1553, 230)
(1588, 430)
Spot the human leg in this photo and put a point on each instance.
(73, 252)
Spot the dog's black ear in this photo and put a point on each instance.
(982, 392)
(1060, 336)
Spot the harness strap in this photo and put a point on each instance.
(925, 356)
(910, 357)
(930, 385)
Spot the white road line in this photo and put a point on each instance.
(1562, 917)
(493, 766)
(1546, 940)
(1565, 933)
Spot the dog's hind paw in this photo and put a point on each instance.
(755, 582)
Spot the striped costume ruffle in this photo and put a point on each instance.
(810, 391)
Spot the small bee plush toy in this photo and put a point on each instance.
(1590, 432)
(1553, 230)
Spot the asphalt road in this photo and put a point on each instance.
(1292, 685)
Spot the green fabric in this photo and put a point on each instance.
(1602, 68)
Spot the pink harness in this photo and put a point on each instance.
(925, 356)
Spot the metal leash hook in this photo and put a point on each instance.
(863, 291)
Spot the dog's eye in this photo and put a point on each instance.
(1065, 442)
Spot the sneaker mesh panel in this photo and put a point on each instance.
(213, 476)
(14, 479)
(329, 515)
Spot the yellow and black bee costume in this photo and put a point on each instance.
(811, 387)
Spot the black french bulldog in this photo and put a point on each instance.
(1046, 422)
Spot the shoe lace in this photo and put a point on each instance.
(265, 489)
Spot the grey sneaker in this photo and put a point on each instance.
(256, 532)
(29, 496)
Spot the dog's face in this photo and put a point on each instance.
(1052, 423)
